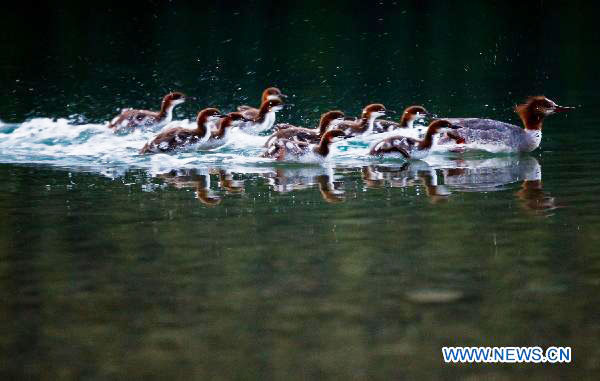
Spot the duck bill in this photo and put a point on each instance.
(563, 109)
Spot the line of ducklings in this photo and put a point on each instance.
(291, 142)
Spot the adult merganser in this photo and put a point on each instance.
(365, 124)
(488, 131)
(179, 137)
(308, 135)
(284, 149)
(410, 148)
(259, 120)
(409, 116)
(130, 119)
(268, 94)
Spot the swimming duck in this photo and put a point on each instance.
(130, 119)
(308, 135)
(220, 136)
(259, 120)
(365, 124)
(409, 116)
(268, 94)
(409, 148)
(178, 137)
(285, 149)
(489, 131)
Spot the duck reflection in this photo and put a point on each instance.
(533, 198)
(413, 174)
(283, 180)
(437, 179)
(442, 177)
(228, 183)
(328, 190)
(201, 181)
(486, 175)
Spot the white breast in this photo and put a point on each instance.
(168, 118)
(533, 139)
(268, 122)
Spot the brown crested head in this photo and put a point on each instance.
(413, 113)
(374, 109)
(440, 124)
(272, 93)
(207, 115)
(540, 105)
(272, 105)
(331, 135)
(535, 108)
(175, 97)
(236, 116)
(330, 116)
(232, 119)
(171, 100)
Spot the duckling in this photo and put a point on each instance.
(410, 148)
(259, 120)
(130, 119)
(178, 137)
(285, 149)
(308, 135)
(365, 124)
(268, 94)
(409, 116)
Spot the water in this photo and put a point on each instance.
(224, 265)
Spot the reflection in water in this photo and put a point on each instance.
(227, 182)
(485, 175)
(533, 198)
(281, 180)
(191, 178)
(284, 180)
(413, 174)
(437, 179)
(297, 278)
(328, 190)
(201, 182)
(495, 174)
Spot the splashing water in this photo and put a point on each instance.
(64, 143)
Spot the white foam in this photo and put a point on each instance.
(68, 143)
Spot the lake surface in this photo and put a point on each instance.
(221, 265)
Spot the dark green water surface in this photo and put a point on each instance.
(350, 270)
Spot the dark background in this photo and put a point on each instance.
(60, 59)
